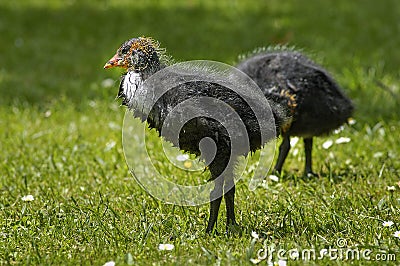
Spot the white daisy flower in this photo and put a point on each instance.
(254, 235)
(391, 188)
(273, 178)
(351, 121)
(282, 262)
(166, 246)
(397, 234)
(387, 223)
(28, 198)
(109, 263)
(182, 157)
(342, 140)
(327, 144)
(47, 113)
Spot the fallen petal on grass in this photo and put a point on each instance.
(273, 178)
(342, 140)
(327, 144)
(378, 154)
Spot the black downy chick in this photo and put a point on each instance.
(316, 101)
(142, 57)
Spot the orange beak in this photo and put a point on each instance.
(115, 61)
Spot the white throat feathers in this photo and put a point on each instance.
(134, 93)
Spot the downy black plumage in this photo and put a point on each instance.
(142, 58)
(316, 101)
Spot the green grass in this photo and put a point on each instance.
(61, 133)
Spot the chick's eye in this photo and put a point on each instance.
(125, 50)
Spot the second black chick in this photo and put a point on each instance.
(315, 100)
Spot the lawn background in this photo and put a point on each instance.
(60, 132)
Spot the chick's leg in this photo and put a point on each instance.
(308, 142)
(229, 190)
(283, 152)
(215, 202)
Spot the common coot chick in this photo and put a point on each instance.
(142, 58)
(315, 100)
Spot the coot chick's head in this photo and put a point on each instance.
(137, 54)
